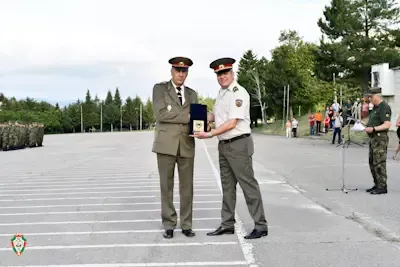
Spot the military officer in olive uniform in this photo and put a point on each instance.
(173, 145)
(232, 122)
(377, 129)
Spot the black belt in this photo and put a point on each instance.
(234, 138)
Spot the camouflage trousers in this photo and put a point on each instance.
(377, 158)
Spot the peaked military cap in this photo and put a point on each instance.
(221, 64)
(181, 62)
(374, 90)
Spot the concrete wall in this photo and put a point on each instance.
(393, 139)
(389, 81)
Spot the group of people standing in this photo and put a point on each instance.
(175, 145)
(14, 135)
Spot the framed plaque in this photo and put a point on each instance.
(198, 118)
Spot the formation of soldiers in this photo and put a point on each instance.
(14, 135)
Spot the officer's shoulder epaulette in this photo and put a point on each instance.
(190, 89)
(161, 84)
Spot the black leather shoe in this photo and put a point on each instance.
(371, 189)
(188, 233)
(168, 234)
(256, 234)
(221, 231)
(379, 191)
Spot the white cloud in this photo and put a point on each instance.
(56, 49)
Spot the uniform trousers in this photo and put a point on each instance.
(377, 158)
(236, 166)
(166, 169)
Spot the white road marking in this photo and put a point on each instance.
(98, 233)
(247, 247)
(111, 176)
(149, 264)
(271, 182)
(98, 192)
(33, 181)
(88, 188)
(68, 185)
(91, 212)
(103, 204)
(105, 197)
(99, 222)
(126, 245)
(316, 207)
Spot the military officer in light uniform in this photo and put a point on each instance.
(173, 145)
(232, 121)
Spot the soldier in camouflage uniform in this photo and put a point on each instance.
(11, 136)
(377, 129)
(40, 134)
(5, 137)
(1, 135)
(32, 139)
(14, 135)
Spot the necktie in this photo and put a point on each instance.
(179, 94)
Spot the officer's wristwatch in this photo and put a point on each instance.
(373, 129)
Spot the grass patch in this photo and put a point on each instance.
(303, 130)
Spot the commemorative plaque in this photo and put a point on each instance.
(198, 118)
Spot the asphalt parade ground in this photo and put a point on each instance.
(94, 200)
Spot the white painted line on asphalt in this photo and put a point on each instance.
(149, 264)
(315, 207)
(88, 188)
(98, 192)
(95, 178)
(247, 247)
(127, 245)
(100, 232)
(69, 185)
(105, 197)
(271, 182)
(91, 212)
(299, 189)
(99, 222)
(104, 204)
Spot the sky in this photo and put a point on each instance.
(55, 50)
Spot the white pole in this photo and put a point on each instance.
(334, 85)
(120, 110)
(141, 116)
(287, 97)
(101, 117)
(284, 105)
(81, 119)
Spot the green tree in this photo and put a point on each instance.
(293, 64)
(365, 31)
(129, 113)
(208, 101)
(248, 63)
(111, 112)
(117, 98)
(148, 115)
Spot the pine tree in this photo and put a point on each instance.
(361, 30)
